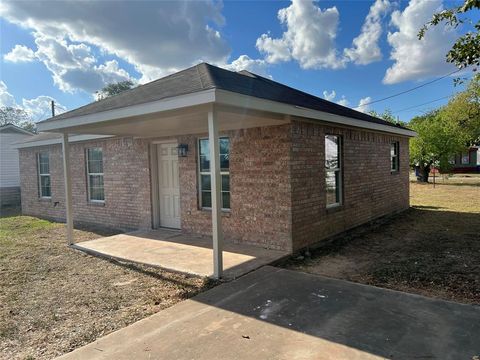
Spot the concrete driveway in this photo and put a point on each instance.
(274, 313)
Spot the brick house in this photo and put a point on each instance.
(287, 169)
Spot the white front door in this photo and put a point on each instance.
(168, 185)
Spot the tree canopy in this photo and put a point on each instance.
(466, 49)
(387, 115)
(114, 89)
(447, 131)
(17, 117)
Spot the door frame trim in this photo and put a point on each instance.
(154, 180)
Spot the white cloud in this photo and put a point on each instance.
(73, 66)
(38, 108)
(418, 59)
(6, 99)
(343, 101)
(156, 37)
(365, 49)
(309, 37)
(363, 104)
(20, 53)
(329, 95)
(244, 62)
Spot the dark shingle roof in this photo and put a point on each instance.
(205, 76)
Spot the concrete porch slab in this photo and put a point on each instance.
(175, 251)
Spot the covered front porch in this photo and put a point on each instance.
(186, 253)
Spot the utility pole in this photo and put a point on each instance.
(53, 108)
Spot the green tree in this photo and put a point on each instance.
(435, 143)
(464, 111)
(447, 131)
(17, 117)
(114, 89)
(466, 49)
(387, 115)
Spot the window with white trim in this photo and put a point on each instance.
(394, 151)
(333, 170)
(96, 191)
(44, 183)
(205, 187)
(465, 158)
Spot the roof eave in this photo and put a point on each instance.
(172, 103)
(217, 96)
(234, 99)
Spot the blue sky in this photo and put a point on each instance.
(346, 51)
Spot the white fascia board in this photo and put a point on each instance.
(71, 138)
(16, 128)
(250, 102)
(177, 102)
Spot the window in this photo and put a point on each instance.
(465, 158)
(205, 190)
(394, 147)
(333, 170)
(95, 175)
(44, 184)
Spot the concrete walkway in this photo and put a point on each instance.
(274, 313)
(178, 252)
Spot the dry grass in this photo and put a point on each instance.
(54, 299)
(432, 249)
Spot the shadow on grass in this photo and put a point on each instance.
(155, 272)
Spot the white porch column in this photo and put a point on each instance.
(68, 188)
(217, 233)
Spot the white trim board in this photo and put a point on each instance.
(71, 139)
(173, 103)
(217, 96)
(234, 99)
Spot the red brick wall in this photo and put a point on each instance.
(259, 183)
(277, 182)
(259, 179)
(126, 181)
(370, 190)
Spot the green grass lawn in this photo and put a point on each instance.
(54, 299)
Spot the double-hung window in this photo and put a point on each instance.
(44, 184)
(96, 191)
(333, 170)
(394, 151)
(205, 184)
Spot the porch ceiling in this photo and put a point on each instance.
(192, 120)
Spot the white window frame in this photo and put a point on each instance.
(396, 146)
(40, 175)
(335, 170)
(94, 174)
(200, 173)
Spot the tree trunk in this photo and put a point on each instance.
(423, 173)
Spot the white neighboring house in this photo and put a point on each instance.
(9, 164)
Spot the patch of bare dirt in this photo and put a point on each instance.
(432, 249)
(54, 299)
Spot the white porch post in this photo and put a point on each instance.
(217, 233)
(68, 188)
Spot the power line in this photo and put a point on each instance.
(412, 89)
(428, 102)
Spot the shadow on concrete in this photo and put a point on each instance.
(377, 321)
